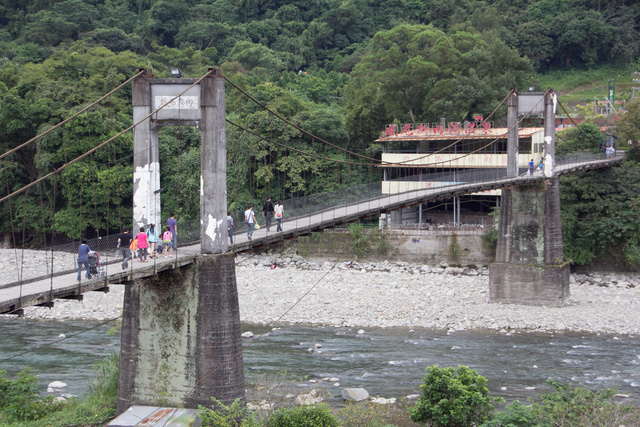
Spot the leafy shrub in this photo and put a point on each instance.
(359, 241)
(577, 406)
(383, 246)
(307, 415)
(453, 397)
(568, 406)
(19, 400)
(235, 415)
(517, 415)
(454, 248)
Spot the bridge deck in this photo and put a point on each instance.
(43, 291)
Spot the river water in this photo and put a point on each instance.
(387, 362)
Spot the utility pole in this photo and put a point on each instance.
(637, 80)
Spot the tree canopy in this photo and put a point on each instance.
(341, 69)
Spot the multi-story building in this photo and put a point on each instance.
(432, 156)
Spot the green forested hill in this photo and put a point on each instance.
(340, 69)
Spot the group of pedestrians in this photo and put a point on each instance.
(269, 211)
(532, 166)
(148, 243)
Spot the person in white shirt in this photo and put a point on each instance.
(279, 211)
(250, 220)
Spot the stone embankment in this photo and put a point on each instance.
(292, 289)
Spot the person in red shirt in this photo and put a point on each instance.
(143, 244)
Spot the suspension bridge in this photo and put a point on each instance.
(201, 275)
(42, 289)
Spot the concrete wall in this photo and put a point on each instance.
(421, 246)
(181, 340)
(537, 285)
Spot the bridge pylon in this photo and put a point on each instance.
(530, 268)
(181, 336)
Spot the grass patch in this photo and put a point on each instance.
(581, 86)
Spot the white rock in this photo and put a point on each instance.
(360, 331)
(247, 334)
(383, 401)
(355, 394)
(412, 397)
(57, 384)
(308, 399)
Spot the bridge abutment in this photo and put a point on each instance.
(530, 267)
(181, 342)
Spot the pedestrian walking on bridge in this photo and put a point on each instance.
(83, 258)
(124, 241)
(279, 211)
(250, 220)
(267, 212)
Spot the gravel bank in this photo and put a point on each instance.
(387, 294)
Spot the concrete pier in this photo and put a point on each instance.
(530, 267)
(181, 342)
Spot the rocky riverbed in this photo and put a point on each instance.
(386, 294)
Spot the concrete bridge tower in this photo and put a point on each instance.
(181, 342)
(530, 268)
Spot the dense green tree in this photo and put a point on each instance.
(600, 215)
(536, 42)
(584, 138)
(165, 19)
(487, 74)
(406, 63)
(252, 55)
(48, 28)
(582, 36)
(117, 40)
(453, 397)
(628, 127)
(625, 46)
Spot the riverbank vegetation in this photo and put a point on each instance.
(449, 397)
(21, 403)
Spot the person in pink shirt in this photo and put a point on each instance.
(143, 244)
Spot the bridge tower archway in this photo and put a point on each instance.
(181, 102)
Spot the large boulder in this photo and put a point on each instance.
(355, 394)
